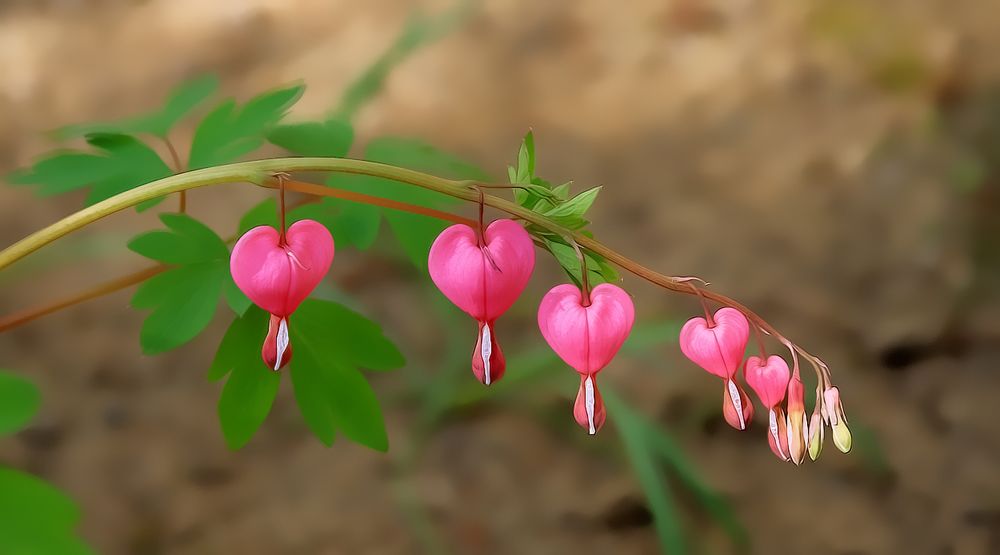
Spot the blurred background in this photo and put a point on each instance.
(833, 164)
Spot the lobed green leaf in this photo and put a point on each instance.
(229, 132)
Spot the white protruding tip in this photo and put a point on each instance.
(773, 422)
(589, 402)
(485, 351)
(734, 394)
(281, 343)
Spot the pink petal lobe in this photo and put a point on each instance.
(277, 277)
(719, 349)
(768, 379)
(586, 338)
(482, 281)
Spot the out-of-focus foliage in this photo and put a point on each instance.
(35, 517)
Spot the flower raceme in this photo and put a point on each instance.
(277, 272)
(586, 333)
(717, 344)
(483, 274)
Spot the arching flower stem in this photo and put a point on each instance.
(262, 173)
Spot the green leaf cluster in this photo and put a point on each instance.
(556, 203)
(330, 344)
(35, 517)
(184, 298)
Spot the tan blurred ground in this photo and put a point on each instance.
(785, 151)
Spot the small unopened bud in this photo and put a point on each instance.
(588, 410)
(816, 431)
(797, 427)
(838, 420)
(736, 406)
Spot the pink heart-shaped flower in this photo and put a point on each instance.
(586, 337)
(768, 379)
(482, 280)
(718, 349)
(278, 277)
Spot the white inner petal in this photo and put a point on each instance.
(588, 389)
(485, 351)
(281, 342)
(773, 419)
(734, 394)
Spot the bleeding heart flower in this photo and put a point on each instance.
(769, 380)
(718, 346)
(278, 273)
(586, 337)
(483, 278)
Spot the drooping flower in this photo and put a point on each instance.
(483, 276)
(277, 272)
(718, 346)
(586, 335)
(769, 380)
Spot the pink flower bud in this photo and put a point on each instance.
(483, 279)
(586, 338)
(718, 349)
(796, 427)
(736, 406)
(278, 273)
(588, 410)
(816, 431)
(768, 379)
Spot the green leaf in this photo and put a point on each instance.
(183, 300)
(330, 341)
(349, 337)
(134, 161)
(230, 132)
(330, 138)
(36, 518)
(357, 223)
(251, 388)
(19, 400)
(244, 335)
(188, 241)
(648, 473)
(122, 163)
(356, 410)
(182, 101)
(66, 171)
(312, 393)
(570, 214)
(598, 269)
